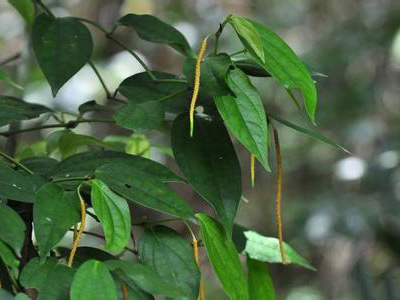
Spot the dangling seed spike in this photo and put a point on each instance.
(196, 87)
(279, 193)
(252, 170)
(80, 231)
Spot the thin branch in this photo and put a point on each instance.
(12, 160)
(45, 8)
(10, 59)
(67, 179)
(103, 84)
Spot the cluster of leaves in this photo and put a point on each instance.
(55, 194)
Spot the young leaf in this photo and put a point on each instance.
(51, 279)
(114, 215)
(259, 281)
(244, 115)
(93, 281)
(278, 59)
(213, 73)
(223, 257)
(141, 116)
(8, 256)
(266, 249)
(85, 163)
(13, 109)
(311, 133)
(171, 256)
(54, 212)
(210, 164)
(143, 188)
(146, 278)
(62, 47)
(141, 88)
(25, 8)
(15, 185)
(154, 30)
(6, 79)
(12, 228)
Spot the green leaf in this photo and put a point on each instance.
(152, 29)
(8, 256)
(259, 280)
(140, 88)
(223, 257)
(39, 164)
(146, 278)
(93, 281)
(171, 256)
(244, 115)
(25, 8)
(114, 215)
(5, 295)
(51, 279)
(213, 72)
(267, 249)
(251, 68)
(12, 228)
(138, 144)
(280, 61)
(209, 162)
(54, 212)
(92, 106)
(85, 163)
(311, 133)
(84, 254)
(143, 188)
(248, 33)
(6, 79)
(62, 47)
(21, 296)
(141, 116)
(13, 109)
(15, 185)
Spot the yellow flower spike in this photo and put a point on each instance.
(80, 231)
(196, 86)
(196, 258)
(279, 194)
(252, 170)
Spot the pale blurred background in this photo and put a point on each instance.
(340, 211)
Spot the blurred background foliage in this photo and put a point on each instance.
(341, 211)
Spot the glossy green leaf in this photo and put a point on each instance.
(244, 115)
(213, 73)
(92, 106)
(223, 257)
(171, 256)
(51, 279)
(143, 188)
(62, 47)
(7, 80)
(40, 164)
(15, 185)
(8, 256)
(12, 228)
(154, 30)
(13, 109)
(267, 249)
(209, 162)
(280, 61)
(139, 88)
(251, 68)
(146, 278)
(311, 133)
(259, 281)
(133, 291)
(54, 212)
(140, 116)
(25, 8)
(93, 281)
(248, 33)
(114, 215)
(85, 163)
